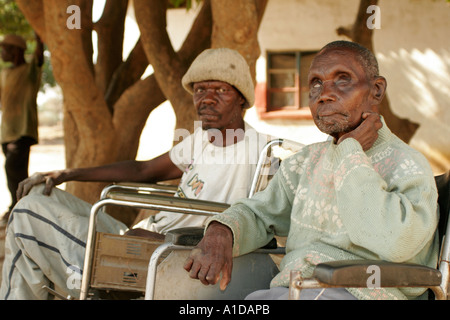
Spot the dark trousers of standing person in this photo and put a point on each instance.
(17, 155)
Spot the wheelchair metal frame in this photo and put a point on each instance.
(146, 201)
(152, 196)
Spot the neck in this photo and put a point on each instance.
(226, 137)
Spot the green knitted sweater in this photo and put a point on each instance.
(337, 202)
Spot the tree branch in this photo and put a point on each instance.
(199, 37)
(110, 29)
(126, 74)
(86, 28)
(151, 18)
(360, 33)
(261, 8)
(140, 105)
(33, 10)
(169, 67)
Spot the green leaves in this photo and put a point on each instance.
(13, 21)
(182, 3)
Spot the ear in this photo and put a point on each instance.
(379, 86)
(242, 102)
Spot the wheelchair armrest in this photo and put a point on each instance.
(139, 186)
(169, 203)
(134, 187)
(271, 245)
(189, 236)
(355, 273)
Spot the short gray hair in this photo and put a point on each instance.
(365, 57)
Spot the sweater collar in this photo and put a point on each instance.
(384, 134)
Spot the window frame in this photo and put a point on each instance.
(264, 90)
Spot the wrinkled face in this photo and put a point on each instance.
(339, 91)
(219, 105)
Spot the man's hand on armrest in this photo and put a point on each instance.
(212, 256)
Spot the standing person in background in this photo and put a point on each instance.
(19, 86)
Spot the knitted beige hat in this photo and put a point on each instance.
(14, 40)
(225, 65)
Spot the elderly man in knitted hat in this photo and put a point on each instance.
(19, 85)
(48, 227)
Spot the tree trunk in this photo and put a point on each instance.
(359, 33)
(86, 116)
(236, 25)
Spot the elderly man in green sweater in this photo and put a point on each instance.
(364, 195)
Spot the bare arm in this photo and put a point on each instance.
(39, 52)
(158, 169)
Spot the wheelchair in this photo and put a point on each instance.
(131, 264)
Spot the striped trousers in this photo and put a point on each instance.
(45, 243)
